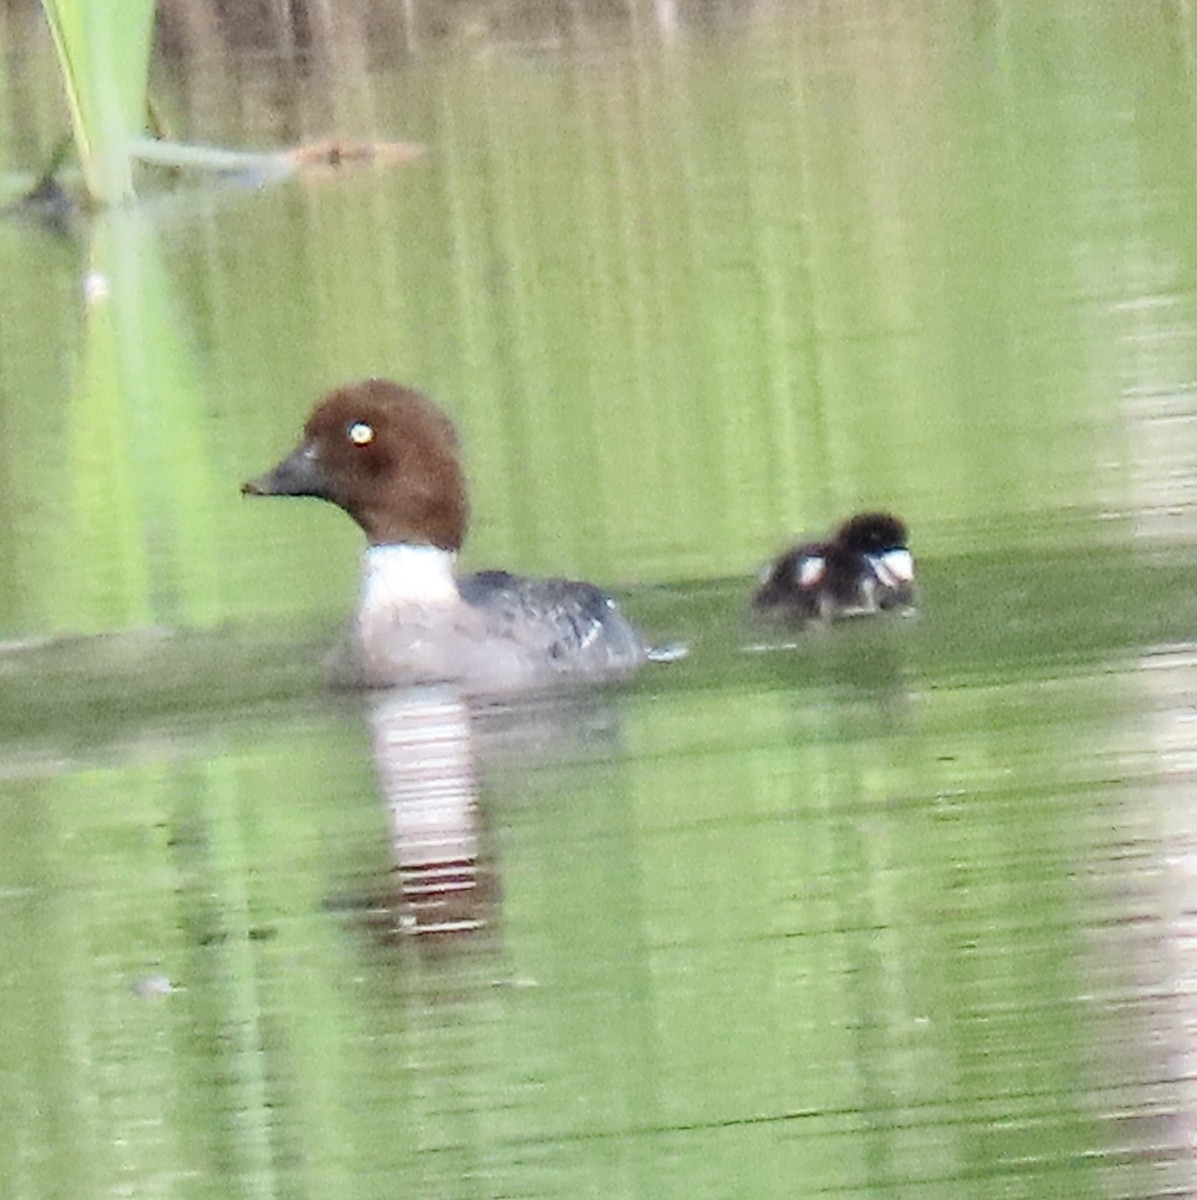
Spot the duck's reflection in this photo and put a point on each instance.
(430, 747)
(423, 749)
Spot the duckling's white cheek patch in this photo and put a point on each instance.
(810, 571)
(361, 434)
(895, 567)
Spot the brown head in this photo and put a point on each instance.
(385, 454)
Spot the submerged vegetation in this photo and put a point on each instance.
(103, 52)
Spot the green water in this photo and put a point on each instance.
(898, 909)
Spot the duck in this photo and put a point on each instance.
(864, 567)
(389, 457)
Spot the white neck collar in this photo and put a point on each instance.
(404, 574)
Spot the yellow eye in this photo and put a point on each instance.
(361, 434)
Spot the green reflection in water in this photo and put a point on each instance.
(117, 473)
(686, 302)
(822, 909)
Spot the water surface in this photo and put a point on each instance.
(897, 908)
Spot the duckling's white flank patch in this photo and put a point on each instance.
(811, 569)
(401, 574)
